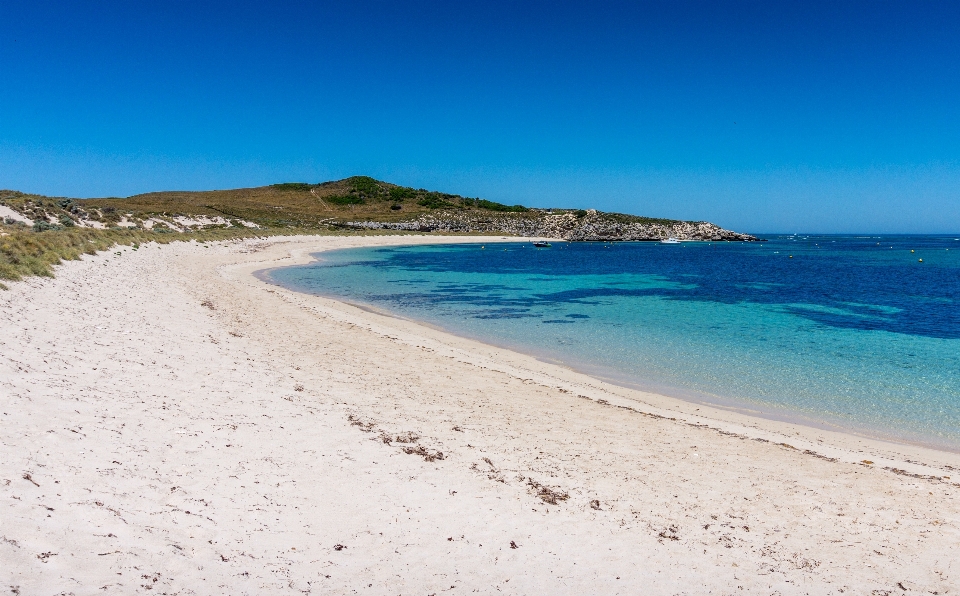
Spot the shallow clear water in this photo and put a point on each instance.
(850, 331)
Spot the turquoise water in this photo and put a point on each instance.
(853, 332)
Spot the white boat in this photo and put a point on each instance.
(670, 240)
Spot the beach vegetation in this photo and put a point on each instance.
(345, 199)
(399, 193)
(26, 253)
(43, 226)
(367, 187)
(292, 186)
(434, 200)
(493, 206)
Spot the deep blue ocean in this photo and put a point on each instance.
(852, 332)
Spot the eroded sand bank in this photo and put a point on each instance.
(170, 424)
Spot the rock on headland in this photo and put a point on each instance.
(582, 226)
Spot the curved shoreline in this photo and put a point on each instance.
(746, 411)
(839, 443)
(168, 417)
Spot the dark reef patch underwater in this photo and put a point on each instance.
(858, 331)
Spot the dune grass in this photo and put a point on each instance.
(24, 252)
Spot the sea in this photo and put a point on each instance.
(853, 333)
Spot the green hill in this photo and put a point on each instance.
(38, 231)
(301, 205)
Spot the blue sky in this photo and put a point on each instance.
(759, 116)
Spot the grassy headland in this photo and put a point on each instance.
(302, 205)
(37, 232)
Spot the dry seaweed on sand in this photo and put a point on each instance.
(547, 494)
(426, 454)
(364, 426)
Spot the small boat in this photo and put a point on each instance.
(670, 240)
(540, 244)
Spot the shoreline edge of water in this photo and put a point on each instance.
(819, 438)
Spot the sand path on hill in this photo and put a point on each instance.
(171, 425)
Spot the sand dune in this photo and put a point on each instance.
(172, 425)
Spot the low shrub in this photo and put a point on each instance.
(399, 193)
(293, 186)
(493, 206)
(43, 226)
(434, 200)
(344, 200)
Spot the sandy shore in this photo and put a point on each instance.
(172, 425)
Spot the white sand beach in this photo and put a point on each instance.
(169, 424)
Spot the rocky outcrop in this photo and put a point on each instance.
(568, 225)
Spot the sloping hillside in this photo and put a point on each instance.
(359, 202)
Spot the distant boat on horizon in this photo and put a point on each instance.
(670, 240)
(541, 244)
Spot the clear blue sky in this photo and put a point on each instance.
(761, 116)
